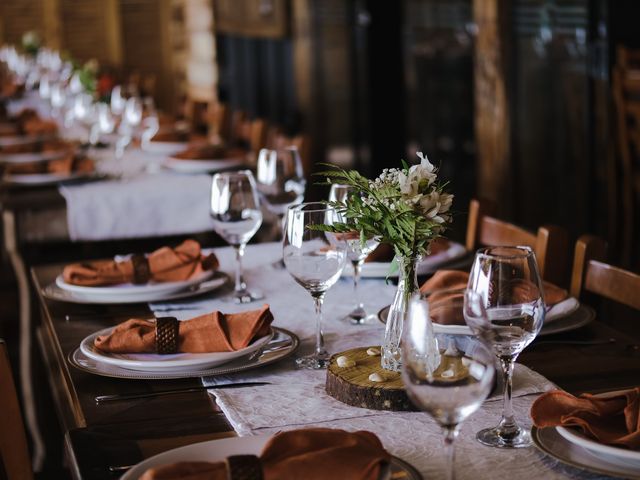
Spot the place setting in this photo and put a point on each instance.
(164, 348)
(166, 274)
(563, 312)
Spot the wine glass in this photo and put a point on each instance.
(236, 214)
(315, 259)
(508, 281)
(281, 181)
(448, 376)
(131, 118)
(357, 251)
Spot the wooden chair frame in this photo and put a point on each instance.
(550, 244)
(591, 274)
(16, 460)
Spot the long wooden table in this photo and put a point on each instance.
(123, 433)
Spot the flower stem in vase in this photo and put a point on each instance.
(407, 286)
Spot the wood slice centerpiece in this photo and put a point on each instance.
(351, 385)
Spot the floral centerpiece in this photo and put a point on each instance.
(31, 42)
(406, 208)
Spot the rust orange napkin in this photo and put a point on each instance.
(312, 454)
(165, 264)
(69, 163)
(613, 421)
(212, 332)
(385, 253)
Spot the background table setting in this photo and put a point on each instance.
(288, 398)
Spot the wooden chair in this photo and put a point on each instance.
(626, 95)
(16, 461)
(550, 244)
(591, 274)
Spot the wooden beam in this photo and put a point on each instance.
(492, 114)
(51, 24)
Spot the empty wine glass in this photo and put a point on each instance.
(281, 181)
(508, 281)
(448, 376)
(236, 214)
(117, 101)
(131, 118)
(315, 259)
(357, 251)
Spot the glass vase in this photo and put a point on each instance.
(407, 285)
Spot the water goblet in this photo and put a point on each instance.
(448, 376)
(357, 252)
(281, 181)
(236, 214)
(315, 259)
(508, 281)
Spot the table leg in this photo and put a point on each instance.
(26, 378)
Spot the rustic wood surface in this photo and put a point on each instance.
(351, 385)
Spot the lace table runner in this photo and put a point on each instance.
(296, 398)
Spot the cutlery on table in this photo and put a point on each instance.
(134, 396)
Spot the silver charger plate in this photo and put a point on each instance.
(217, 450)
(581, 317)
(550, 442)
(284, 344)
(54, 292)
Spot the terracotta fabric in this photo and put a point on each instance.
(455, 279)
(613, 421)
(67, 164)
(209, 152)
(212, 332)
(310, 454)
(167, 265)
(384, 252)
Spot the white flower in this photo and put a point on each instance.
(434, 204)
(419, 178)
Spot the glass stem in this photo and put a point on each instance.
(357, 269)
(240, 285)
(450, 435)
(318, 298)
(508, 422)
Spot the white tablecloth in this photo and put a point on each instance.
(297, 398)
(142, 204)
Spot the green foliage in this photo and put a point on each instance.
(379, 210)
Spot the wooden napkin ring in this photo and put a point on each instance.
(166, 335)
(244, 467)
(141, 269)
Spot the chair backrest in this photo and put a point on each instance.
(591, 274)
(550, 244)
(16, 461)
(626, 95)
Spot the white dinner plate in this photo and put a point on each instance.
(577, 318)
(164, 148)
(201, 166)
(610, 453)
(218, 450)
(427, 265)
(146, 292)
(54, 292)
(283, 344)
(31, 157)
(549, 441)
(150, 362)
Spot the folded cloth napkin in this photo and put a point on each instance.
(455, 279)
(312, 454)
(165, 265)
(212, 332)
(385, 253)
(209, 152)
(69, 163)
(614, 420)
